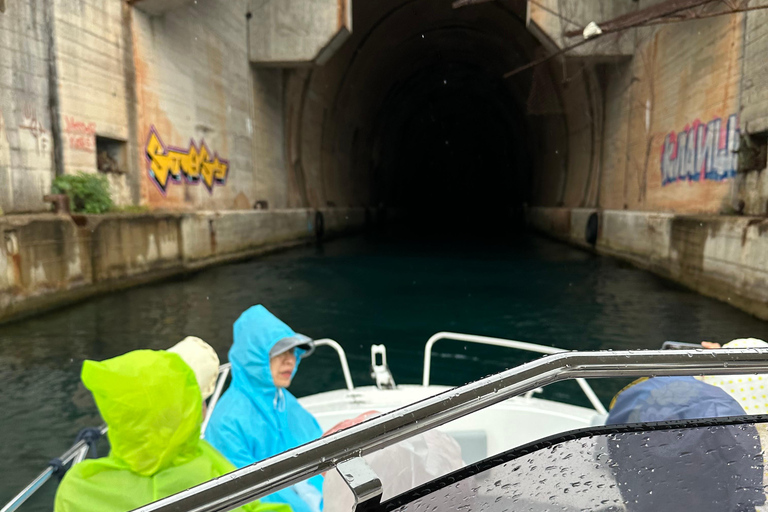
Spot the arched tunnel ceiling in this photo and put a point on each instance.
(399, 55)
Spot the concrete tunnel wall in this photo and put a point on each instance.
(605, 131)
(345, 120)
(179, 83)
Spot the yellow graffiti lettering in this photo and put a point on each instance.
(194, 165)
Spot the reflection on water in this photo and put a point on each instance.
(358, 291)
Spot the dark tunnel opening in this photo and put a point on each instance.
(418, 117)
(457, 147)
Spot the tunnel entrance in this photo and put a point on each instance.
(415, 114)
(456, 145)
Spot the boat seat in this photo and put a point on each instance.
(473, 443)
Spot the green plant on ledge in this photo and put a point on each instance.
(88, 193)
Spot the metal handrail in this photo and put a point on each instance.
(288, 468)
(501, 342)
(342, 359)
(224, 371)
(68, 456)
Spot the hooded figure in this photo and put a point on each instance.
(152, 404)
(255, 418)
(707, 469)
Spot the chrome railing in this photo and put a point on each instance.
(328, 342)
(344, 449)
(500, 342)
(75, 453)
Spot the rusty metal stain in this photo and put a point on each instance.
(17, 281)
(342, 15)
(12, 250)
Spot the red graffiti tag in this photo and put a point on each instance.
(80, 127)
(82, 143)
(81, 135)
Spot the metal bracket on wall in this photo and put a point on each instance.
(362, 481)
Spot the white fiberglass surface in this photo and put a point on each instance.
(480, 434)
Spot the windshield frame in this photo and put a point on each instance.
(549, 442)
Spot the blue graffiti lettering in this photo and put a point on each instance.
(698, 153)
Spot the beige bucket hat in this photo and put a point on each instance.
(203, 360)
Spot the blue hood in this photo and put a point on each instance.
(255, 333)
(672, 398)
(254, 419)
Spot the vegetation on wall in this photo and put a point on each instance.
(88, 193)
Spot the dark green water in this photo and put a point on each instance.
(358, 291)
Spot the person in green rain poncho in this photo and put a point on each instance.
(152, 404)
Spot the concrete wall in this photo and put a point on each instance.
(752, 186)
(194, 94)
(166, 77)
(658, 130)
(47, 261)
(89, 49)
(298, 32)
(716, 255)
(26, 165)
(549, 20)
(158, 7)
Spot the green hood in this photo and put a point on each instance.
(151, 402)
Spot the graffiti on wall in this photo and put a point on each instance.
(193, 165)
(701, 152)
(32, 124)
(80, 135)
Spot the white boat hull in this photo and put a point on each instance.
(484, 433)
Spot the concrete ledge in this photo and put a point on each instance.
(723, 257)
(48, 261)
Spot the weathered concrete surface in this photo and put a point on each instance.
(547, 21)
(660, 131)
(719, 256)
(296, 32)
(752, 186)
(159, 7)
(47, 261)
(91, 80)
(194, 91)
(25, 122)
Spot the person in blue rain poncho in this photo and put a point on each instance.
(257, 417)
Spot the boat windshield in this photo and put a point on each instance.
(712, 465)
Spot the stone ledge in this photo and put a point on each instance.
(48, 261)
(718, 256)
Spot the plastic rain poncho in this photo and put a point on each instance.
(254, 419)
(152, 404)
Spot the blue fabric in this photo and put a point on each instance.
(672, 398)
(254, 419)
(706, 469)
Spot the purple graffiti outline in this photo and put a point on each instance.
(182, 175)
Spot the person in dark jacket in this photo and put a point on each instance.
(705, 468)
